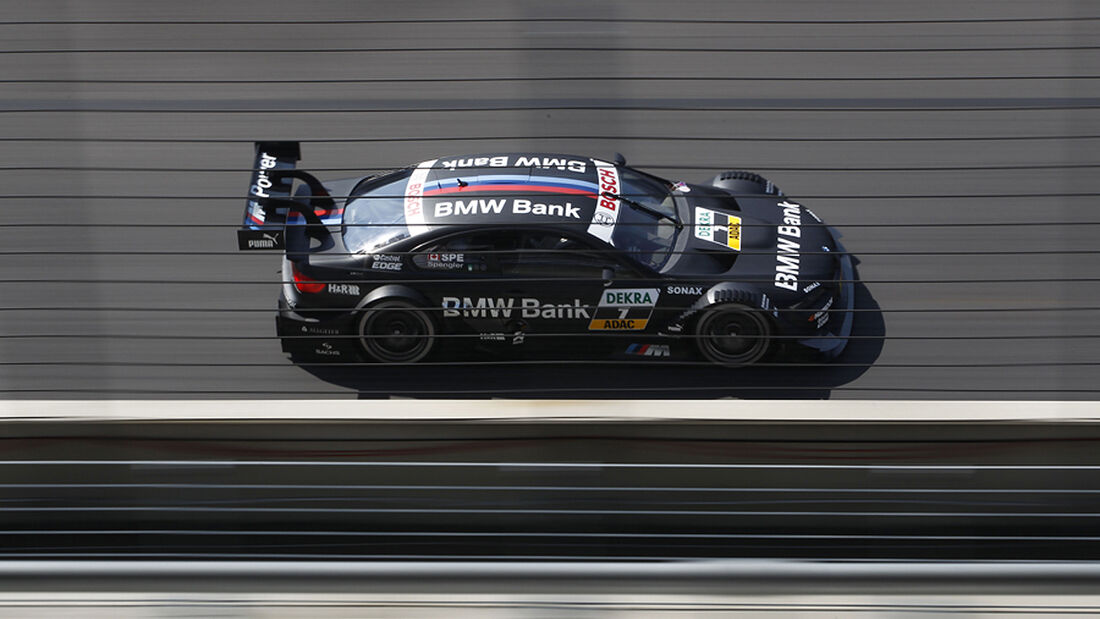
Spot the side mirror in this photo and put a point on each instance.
(608, 275)
(619, 159)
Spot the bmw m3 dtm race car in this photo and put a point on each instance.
(543, 256)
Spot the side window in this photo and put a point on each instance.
(377, 218)
(548, 254)
(476, 253)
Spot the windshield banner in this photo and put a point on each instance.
(607, 208)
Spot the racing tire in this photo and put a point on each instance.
(733, 334)
(744, 182)
(395, 331)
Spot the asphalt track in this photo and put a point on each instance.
(970, 203)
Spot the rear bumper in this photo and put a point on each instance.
(326, 339)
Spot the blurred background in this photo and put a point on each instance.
(953, 144)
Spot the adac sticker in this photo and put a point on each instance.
(624, 309)
(718, 228)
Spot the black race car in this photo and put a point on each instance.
(544, 256)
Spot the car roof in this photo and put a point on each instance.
(519, 189)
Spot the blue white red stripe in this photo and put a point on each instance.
(511, 183)
(329, 217)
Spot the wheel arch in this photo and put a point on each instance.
(400, 291)
(734, 295)
(418, 305)
(744, 182)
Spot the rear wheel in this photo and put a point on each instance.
(395, 331)
(733, 334)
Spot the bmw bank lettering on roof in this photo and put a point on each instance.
(543, 256)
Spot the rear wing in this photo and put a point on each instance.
(270, 202)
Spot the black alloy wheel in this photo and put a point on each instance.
(733, 334)
(395, 331)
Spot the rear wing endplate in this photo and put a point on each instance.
(264, 222)
(270, 203)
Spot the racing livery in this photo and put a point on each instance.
(544, 256)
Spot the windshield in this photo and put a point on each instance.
(376, 218)
(646, 238)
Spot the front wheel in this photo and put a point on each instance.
(733, 334)
(395, 331)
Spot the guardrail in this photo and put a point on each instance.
(547, 481)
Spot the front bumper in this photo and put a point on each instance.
(831, 347)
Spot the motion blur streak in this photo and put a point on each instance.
(549, 488)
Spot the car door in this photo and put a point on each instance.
(565, 299)
(461, 276)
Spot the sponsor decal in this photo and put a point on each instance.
(718, 228)
(507, 307)
(468, 207)
(319, 330)
(787, 247)
(445, 261)
(624, 309)
(813, 286)
(327, 350)
(524, 207)
(259, 239)
(520, 161)
(263, 182)
(822, 315)
(414, 198)
(688, 290)
(259, 189)
(649, 350)
(387, 262)
(499, 161)
(266, 240)
(607, 209)
(603, 219)
(519, 206)
(348, 289)
(492, 337)
(572, 165)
